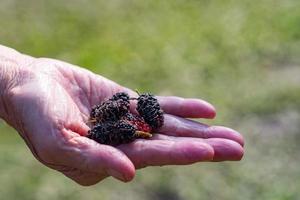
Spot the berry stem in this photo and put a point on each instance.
(136, 90)
(92, 120)
(142, 134)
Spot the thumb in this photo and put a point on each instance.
(90, 157)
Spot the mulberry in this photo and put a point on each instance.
(120, 95)
(101, 133)
(109, 111)
(115, 133)
(123, 98)
(149, 108)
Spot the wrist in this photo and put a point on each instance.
(15, 71)
(8, 72)
(11, 64)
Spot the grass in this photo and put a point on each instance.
(243, 56)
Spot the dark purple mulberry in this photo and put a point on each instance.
(120, 95)
(149, 108)
(109, 111)
(101, 133)
(94, 111)
(126, 132)
(123, 98)
(113, 133)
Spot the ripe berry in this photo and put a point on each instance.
(113, 133)
(149, 108)
(120, 95)
(101, 133)
(126, 132)
(109, 110)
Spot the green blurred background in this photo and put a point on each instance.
(242, 56)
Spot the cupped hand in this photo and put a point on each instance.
(49, 104)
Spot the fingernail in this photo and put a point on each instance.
(116, 174)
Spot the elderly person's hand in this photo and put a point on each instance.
(48, 102)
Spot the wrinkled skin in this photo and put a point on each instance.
(48, 103)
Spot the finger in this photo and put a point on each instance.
(177, 126)
(224, 149)
(89, 156)
(182, 107)
(186, 107)
(162, 152)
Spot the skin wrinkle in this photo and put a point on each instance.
(66, 142)
(102, 94)
(180, 104)
(182, 154)
(75, 107)
(141, 162)
(182, 126)
(175, 123)
(8, 60)
(93, 91)
(74, 75)
(217, 143)
(170, 153)
(205, 132)
(53, 165)
(107, 89)
(141, 146)
(27, 140)
(83, 100)
(189, 107)
(4, 114)
(55, 110)
(74, 146)
(85, 160)
(69, 140)
(189, 128)
(82, 108)
(87, 89)
(90, 91)
(7, 78)
(207, 149)
(176, 126)
(77, 128)
(81, 154)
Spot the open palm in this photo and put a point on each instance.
(51, 103)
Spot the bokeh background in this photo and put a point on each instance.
(242, 56)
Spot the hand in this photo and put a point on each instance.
(49, 103)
